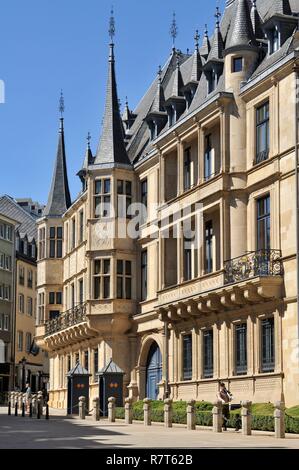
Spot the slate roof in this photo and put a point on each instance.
(78, 370)
(110, 368)
(235, 30)
(10, 208)
(59, 199)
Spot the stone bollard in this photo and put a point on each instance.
(191, 421)
(217, 416)
(147, 411)
(279, 419)
(34, 405)
(246, 417)
(12, 399)
(40, 398)
(20, 400)
(24, 403)
(128, 411)
(82, 407)
(111, 410)
(38, 408)
(96, 409)
(168, 413)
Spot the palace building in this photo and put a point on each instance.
(212, 144)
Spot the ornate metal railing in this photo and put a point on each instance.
(259, 263)
(65, 320)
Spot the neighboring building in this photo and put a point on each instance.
(31, 363)
(34, 208)
(217, 129)
(7, 262)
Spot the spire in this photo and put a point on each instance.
(59, 199)
(127, 112)
(88, 155)
(111, 148)
(241, 35)
(216, 52)
(177, 79)
(174, 30)
(206, 46)
(157, 106)
(196, 66)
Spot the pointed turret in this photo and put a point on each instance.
(216, 52)
(59, 199)
(206, 45)
(157, 106)
(241, 36)
(111, 147)
(88, 160)
(256, 21)
(196, 64)
(177, 80)
(128, 116)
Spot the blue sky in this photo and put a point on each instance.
(46, 45)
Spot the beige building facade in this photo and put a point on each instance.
(207, 291)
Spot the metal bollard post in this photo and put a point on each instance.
(147, 410)
(128, 411)
(217, 416)
(82, 407)
(96, 409)
(111, 410)
(246, 417)
(191, 421)
(168, 413)
(9, 408)
(47, 411)
(16, 408)
(23, 410)
(30, 410)
(279, 419)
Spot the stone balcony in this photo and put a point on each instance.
(251, 279)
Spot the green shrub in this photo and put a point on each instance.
(294, 411)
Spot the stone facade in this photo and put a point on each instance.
(223, 307)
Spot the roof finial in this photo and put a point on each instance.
(254, 3)
(174, 30)
(217, 16)
(160, 74)
(196, 38)
(61, 104)
(112, 26)
(206, 31)
(88, 138)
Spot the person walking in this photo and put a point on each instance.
(225, 397)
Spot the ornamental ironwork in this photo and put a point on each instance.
(66, 319)
(259, 263)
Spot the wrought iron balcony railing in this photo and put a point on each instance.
(259, 263)
(69, 318)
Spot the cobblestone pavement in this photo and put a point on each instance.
(64, 433)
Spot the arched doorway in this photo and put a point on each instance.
(153, 371)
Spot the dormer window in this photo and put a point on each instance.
(274, 40)
(171, 116)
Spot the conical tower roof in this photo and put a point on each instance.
(241, 35)
(59, 199)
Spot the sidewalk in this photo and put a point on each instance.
(61, 432)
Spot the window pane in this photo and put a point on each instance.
(238, 64)
(208, 354)
(119, 287)
(96, 287)
(106, 186)
(128, 188)
(98, 187)
(128, 268)
(97, 266)
(52, 232)
(268, 350)
(51, 298)
(241, 349)
(106, 266)
(106, 287)
(187, 357)
(120, 266)
(52, 248)
(120, 187)
(59, 248)
(59, 232)
(128, 288)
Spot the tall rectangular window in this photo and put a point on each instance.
(237, 64)
(209, 234)
(101, 279)
(262, 133)
(187, 262)
(81, 292)
(21, 303)
(187, 169)
(41, 308)
(29, 279)
(42, 243)
(241, 348)
(144, 196)
(102, 198)
(20, 340)
(124, 198)
(187, 357)
(73, 302)
(21, 276)
(73, 233)
(208, 354)
(263, 223)
(86, 360)
(28, 342)
(124, 279)
(81, 226)
(208, 160)
(56, 234)
(30, 306)
(268, 347)
(144, 275)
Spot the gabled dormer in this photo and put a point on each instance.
(175, 105)
(279, 25)
(157, 115)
